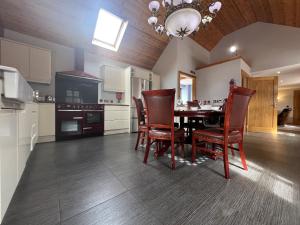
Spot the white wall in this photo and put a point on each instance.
(62, 58)
(180, 55)
(264, 46)
(167, 65)
(213, 81)
(191, 55)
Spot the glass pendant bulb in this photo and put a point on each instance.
(154, 6)
(215, 7)
(152, 20)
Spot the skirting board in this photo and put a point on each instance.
(122, 131)
(45, 139)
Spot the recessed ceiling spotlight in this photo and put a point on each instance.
(278, 72)
(233, 49)
(281, 81)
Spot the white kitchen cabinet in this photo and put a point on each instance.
(155, 82)
(18, 132)
(15, 55)
(34, 108)
(27, 134)
(46, 125)
(33, 63)
(116, 119)
(8, 158)
(24, 138)
(114, 78)
(40, 65)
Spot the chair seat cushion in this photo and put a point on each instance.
(166, 134)
(217, 135)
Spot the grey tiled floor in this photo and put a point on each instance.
(103, 181)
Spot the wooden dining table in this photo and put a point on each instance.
(197, 114)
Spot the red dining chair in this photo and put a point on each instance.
(160, 121)
(142, 128)
(233, 131)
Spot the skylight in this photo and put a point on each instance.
(109, 30)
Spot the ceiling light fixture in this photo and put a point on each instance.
(183, 17)
(278, 72)
(233, 49)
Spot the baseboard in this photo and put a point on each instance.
(45, 139)
(121, 131)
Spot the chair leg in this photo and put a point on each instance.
(226, 162)
(138, 140)
(182, 148)
(147, 150)
(143, 138)
(173, 154)
(232, 150)
(243, 156)
(193, 149)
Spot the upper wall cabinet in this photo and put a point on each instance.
(33, 63)
(40, 65)
(114, 78)
(15, 55)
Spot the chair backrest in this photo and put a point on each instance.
(236, 108)
(160, 108)
(140, 110)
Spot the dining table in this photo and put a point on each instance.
(199, 114)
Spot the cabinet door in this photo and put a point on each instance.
(114, 79)
(46, 124)
(40, 65)
(15, 55)
(8, 158)
(155, 82)
(24, 137)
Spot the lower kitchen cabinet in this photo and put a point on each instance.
(116, 119)
(46, 126)
(18, 135)
(27, 131)
(8, 157)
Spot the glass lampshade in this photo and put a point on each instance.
(152, 20)
(215, 7)
(183, 22)
(154, 6)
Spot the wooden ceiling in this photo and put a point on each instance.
(72, 22)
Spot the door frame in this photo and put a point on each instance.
(193, 77)
(295, 122)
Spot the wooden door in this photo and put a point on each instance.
(262, 113)
(296, 113)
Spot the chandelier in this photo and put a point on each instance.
(183, 17)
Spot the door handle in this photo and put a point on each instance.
(77, 118)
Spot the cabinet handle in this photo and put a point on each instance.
(77, 118)
(87, 128)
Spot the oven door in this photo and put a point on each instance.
(69, 123)
(93, 122)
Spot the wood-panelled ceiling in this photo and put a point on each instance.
(72, 22)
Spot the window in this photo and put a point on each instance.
(109, 30)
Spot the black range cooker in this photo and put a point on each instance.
(79, 120)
